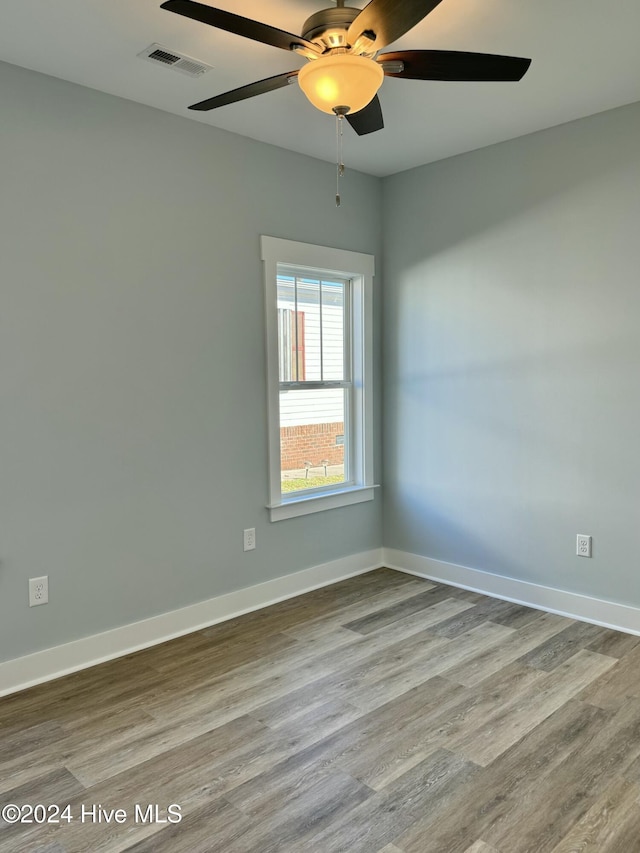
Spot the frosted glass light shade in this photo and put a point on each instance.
(340, 80)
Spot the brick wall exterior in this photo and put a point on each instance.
(310, 443)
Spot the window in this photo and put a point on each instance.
(319, 315)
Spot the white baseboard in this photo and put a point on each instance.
(48, 664)
(608, 614)
(45, 665)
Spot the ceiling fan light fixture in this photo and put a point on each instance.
(341, 80)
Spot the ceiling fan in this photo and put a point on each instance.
(345, 69)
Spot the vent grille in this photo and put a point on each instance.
(160, 55)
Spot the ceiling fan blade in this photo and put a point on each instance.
(249, 91)
(368, 119)
(240, 26)
(389, 19)
(455, 65)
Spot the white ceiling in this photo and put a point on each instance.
(585, 60)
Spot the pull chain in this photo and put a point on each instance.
(339, 163)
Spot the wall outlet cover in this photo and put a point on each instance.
(583, 545)
(250, 539)
(38, 591)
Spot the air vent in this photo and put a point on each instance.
(160, 55)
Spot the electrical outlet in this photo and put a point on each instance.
(249, 539)
(583, 545)
(38, 591)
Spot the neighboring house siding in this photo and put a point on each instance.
(302, 407)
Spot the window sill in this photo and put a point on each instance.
(294, 507)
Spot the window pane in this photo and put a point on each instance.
(309, 304)
(311, 327)
(291, 332)
(312, 436)
(333, 300)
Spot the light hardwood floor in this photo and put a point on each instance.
(384, 714)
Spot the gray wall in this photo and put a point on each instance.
(132, 436)
(512, 357)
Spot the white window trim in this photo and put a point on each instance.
(360, 269)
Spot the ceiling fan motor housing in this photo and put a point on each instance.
(329, 27)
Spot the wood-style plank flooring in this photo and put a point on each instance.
(384, 714)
